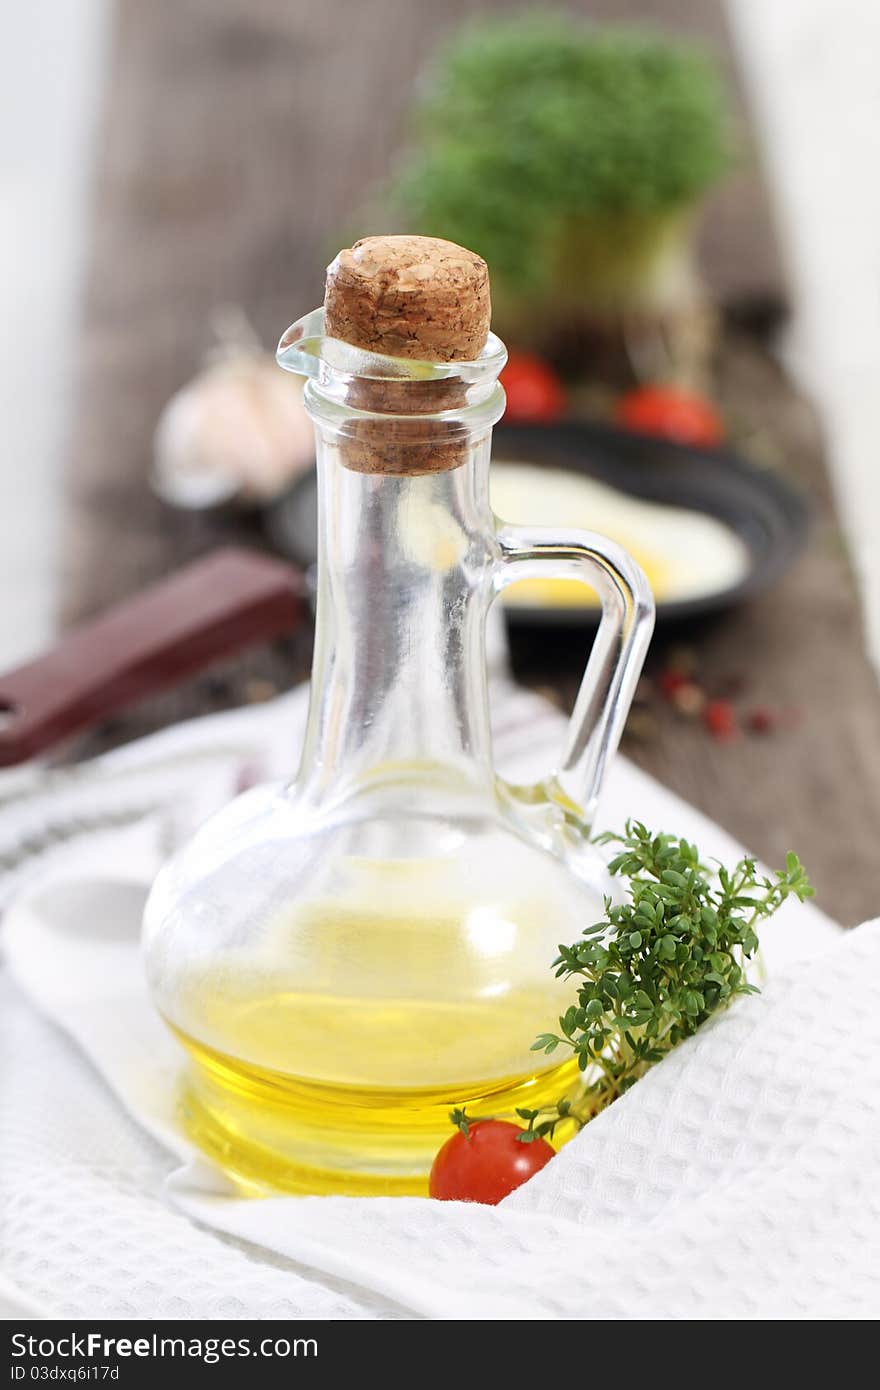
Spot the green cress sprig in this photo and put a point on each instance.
(656, 967)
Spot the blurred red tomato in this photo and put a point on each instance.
(534, 391)
(670, 413)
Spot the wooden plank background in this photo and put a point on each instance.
(239, 139)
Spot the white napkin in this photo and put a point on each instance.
(735, 1181)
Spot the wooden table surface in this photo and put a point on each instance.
(236, 142)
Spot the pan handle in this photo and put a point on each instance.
(232, 599)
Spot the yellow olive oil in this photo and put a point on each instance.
(271, 1131)
(330, 1060)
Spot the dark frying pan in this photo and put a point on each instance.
(237, 598)
(766, 512)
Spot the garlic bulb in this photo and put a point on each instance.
(239, 429)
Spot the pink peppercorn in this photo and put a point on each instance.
(720, 719)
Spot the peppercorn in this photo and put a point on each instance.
(719, 718)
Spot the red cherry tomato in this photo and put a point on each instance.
(534, 391)
(669, 413)
(486, 1164)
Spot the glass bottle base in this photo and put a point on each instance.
(274, 1133)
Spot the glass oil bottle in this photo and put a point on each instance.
(347, 956)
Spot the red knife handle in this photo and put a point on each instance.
(211, 609)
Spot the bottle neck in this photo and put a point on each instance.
(399, 673)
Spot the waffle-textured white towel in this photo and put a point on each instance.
(737, 1180)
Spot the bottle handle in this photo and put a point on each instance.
(618, 651)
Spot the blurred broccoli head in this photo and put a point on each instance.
(532, 125)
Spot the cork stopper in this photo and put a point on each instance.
(409, 296)
(417, 298)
